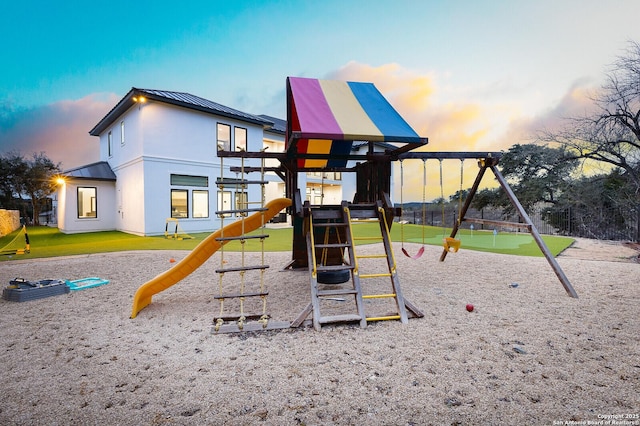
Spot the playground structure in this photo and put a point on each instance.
(15, 246)
(324, 120)
(173, 230)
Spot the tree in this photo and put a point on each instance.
(536, 173)
(33, 178)
(610, 135)
(488, 198)
(12, 169)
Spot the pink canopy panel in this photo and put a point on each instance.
(325, 117)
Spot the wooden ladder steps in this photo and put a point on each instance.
(322, 268)
(329, 225)
(239, 182)
(337, 292)
(339, 318)
(241, 295)
(241, 269)
(242, 237)
(333, 245)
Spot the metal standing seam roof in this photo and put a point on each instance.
(96, 171)
(279, 125)
(182, 99)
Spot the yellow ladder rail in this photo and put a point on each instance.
(378, 296)
(371, 256)
(368, 239)
(387, 318)
(383, 274)
(314, 271)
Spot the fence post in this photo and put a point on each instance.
(638, 223)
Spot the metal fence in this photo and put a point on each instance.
(603, 224)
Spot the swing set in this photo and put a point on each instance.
(450, 244)
(424, 210)
(487, 161)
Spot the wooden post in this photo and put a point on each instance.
(483, 168)
(536, 236)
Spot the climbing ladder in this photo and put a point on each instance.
(363, 213)
(342, 219)
(238, 308)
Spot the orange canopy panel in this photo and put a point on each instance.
(325, 117)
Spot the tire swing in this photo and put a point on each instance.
(424, 189)
(330, 277)
(450, 244)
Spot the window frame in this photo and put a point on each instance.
(110, 144)
(244, 130)
(177, 179)
(193, 203)
(122, 133)
(93, 200)
(176, 215)
(221, 144)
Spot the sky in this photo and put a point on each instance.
(469, 75)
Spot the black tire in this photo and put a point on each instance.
(334, 277)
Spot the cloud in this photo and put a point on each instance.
(60, 130)
(475, 119)
(435, 110)
(576, 102)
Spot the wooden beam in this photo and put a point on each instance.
(462, 155)
(536, 236)
(465, 207)
(497, 223)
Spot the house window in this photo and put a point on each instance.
(224, 137)
(179, 203)
(200, 202)
(187, 180)
(110, 144)
(122, 133)
(240, 138)
(224, 203)
(87, 204)
(199, 197)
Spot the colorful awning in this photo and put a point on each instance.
(325, 117)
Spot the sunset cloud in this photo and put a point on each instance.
(60, 130)
(454, 122)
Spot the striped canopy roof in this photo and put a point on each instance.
(325, 117)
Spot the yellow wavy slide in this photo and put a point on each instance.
(202, 252)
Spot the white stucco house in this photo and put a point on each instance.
(158, 160)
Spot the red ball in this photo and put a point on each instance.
(469, 307)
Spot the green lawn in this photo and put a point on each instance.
(49, 242)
